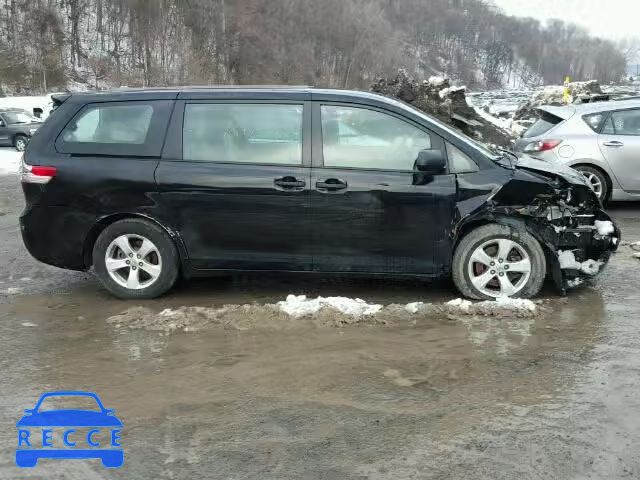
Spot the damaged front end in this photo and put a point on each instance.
(561, 211)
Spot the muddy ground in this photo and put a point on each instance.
(432, 395)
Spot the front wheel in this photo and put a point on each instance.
(134, 258)
(20, 142)
(499, 261)
(596, 180)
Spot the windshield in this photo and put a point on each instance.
(19, 117)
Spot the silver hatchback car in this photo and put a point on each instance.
(601, 140)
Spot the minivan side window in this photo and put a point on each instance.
(128, 128)
(354, 137)
(623, 122)
(459, 162)
(243, 133)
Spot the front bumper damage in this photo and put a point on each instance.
(562, 212)
(581, 243)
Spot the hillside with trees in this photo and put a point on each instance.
(50, 45)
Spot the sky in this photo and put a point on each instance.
(612, 19)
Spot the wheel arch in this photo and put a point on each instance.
(107, 220)
(16, 135)
(550, 253)
(608, 176)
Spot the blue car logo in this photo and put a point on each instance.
(74, 422)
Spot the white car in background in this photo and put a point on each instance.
(601, 140)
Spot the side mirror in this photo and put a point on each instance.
(29, 410)
(431, 162)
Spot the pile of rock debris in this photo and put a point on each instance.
(438, 98)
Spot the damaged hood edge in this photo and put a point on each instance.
(572, 176)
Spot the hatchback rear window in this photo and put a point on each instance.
(545, 122)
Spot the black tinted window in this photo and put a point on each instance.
(110, 124)
(243, 133)
(459, 162)
(361, 138)
(135, 128)
(542, 125)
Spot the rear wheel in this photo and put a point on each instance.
(597, 181)
(499, 261)
(20, 142)
(135, 258)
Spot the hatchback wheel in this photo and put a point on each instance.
(135, 258)
(499, 261)
(597, 181)
(20, 143)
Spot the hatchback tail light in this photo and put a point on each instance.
(36, 173)
(542, 146)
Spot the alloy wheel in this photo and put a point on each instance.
(21, 144)
(499, 267)
(133, 261)
(594, 182)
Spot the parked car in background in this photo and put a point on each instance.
(145, 185)
(16, 127)
(601, 140)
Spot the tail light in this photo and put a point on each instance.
(542, 146)
(36, 173)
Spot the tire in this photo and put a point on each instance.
(490, 240)
(122, 242)
(20, 142)
(598, 181)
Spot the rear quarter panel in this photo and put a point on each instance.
(59, 216)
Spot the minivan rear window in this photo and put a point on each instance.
(128, 128)
(545, 122)
(110, 124)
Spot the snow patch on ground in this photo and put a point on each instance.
(568, 260)
(298, 310)
(604, 228)
(574, 282)
(300, 305)
(500, 305)
(9, 161)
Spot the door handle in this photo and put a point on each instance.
(331, 185)
(613, 143)
(289, 183)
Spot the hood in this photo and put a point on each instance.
(526, 162)
(69, 418)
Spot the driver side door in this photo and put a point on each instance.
(372, 211)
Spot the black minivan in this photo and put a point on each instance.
(146, 185)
